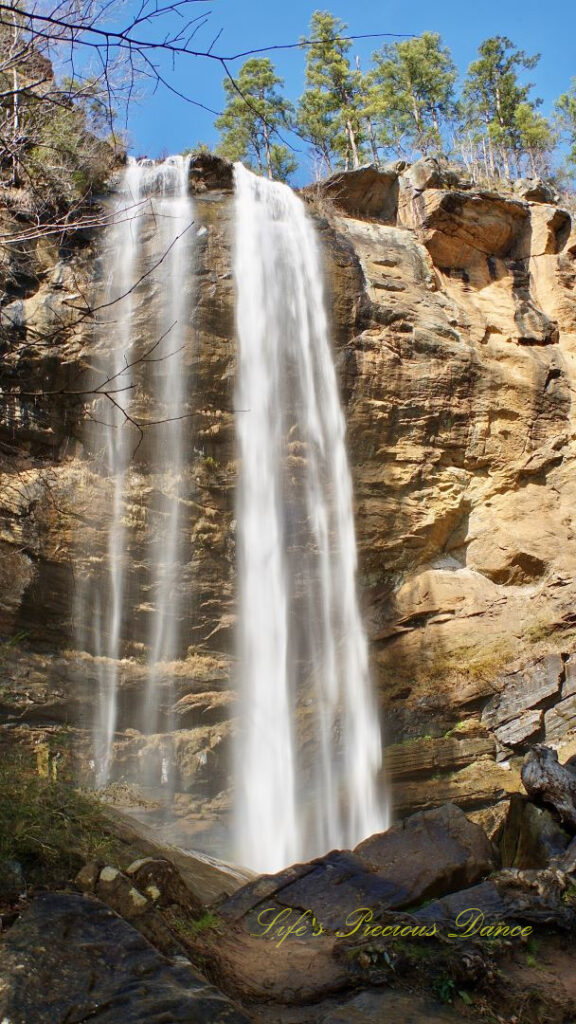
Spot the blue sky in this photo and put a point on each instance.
(162, 123)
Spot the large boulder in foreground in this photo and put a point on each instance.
(69, 958)
(430, 853)
(427, 855)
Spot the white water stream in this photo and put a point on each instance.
(146, 260)
(309, 746)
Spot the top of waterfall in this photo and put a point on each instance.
(281, 201)
(169, 177)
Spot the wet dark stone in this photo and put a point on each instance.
(71, 959)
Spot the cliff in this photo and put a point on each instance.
(454, 319)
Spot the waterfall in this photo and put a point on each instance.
(142, 316)
(308, 746)
(308, 749)
(174, 212)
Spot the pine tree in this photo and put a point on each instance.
(492, 98)
(536, 137)
(254, 112)
(411, 94)
(565, 111)
(318, 125)
(329, 111)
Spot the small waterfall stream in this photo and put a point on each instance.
(305, 687)
(147, 257)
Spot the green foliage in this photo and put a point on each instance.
(67, 161)
(411, 94)
(13, 641)
(498, 116)
(565, 112)
(190, 929)
(330, 109)
(46, 825)
(569, 894)
(57, 139)
(200, 149)
(443, 987)
(255, 110)
(536, 139)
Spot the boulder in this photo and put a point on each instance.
(71, 958)
(330, 888)
(432, 173)
(534, 190)
(491, 819)
(531, 837)
(162, 883)
(430, 853)
(366, 192)
(116, 890)
(508, 897)
(549, 782)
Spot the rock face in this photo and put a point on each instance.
(69, 957)
(549, 782)
(454, 316)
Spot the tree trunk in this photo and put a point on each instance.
(506, 162)
(491, 161)
(268, 151)
(485, 155)
(352, 143)
(373, 143)
(549, 782)
(15, 108)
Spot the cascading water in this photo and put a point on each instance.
(170, 384)
(308, 749)
(304, 674)
(146, 262)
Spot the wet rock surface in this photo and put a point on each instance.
(466, 949)
(135, 905)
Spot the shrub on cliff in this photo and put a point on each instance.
(46, 826)
(56, 143)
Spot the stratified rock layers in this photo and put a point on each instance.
(454, 316)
